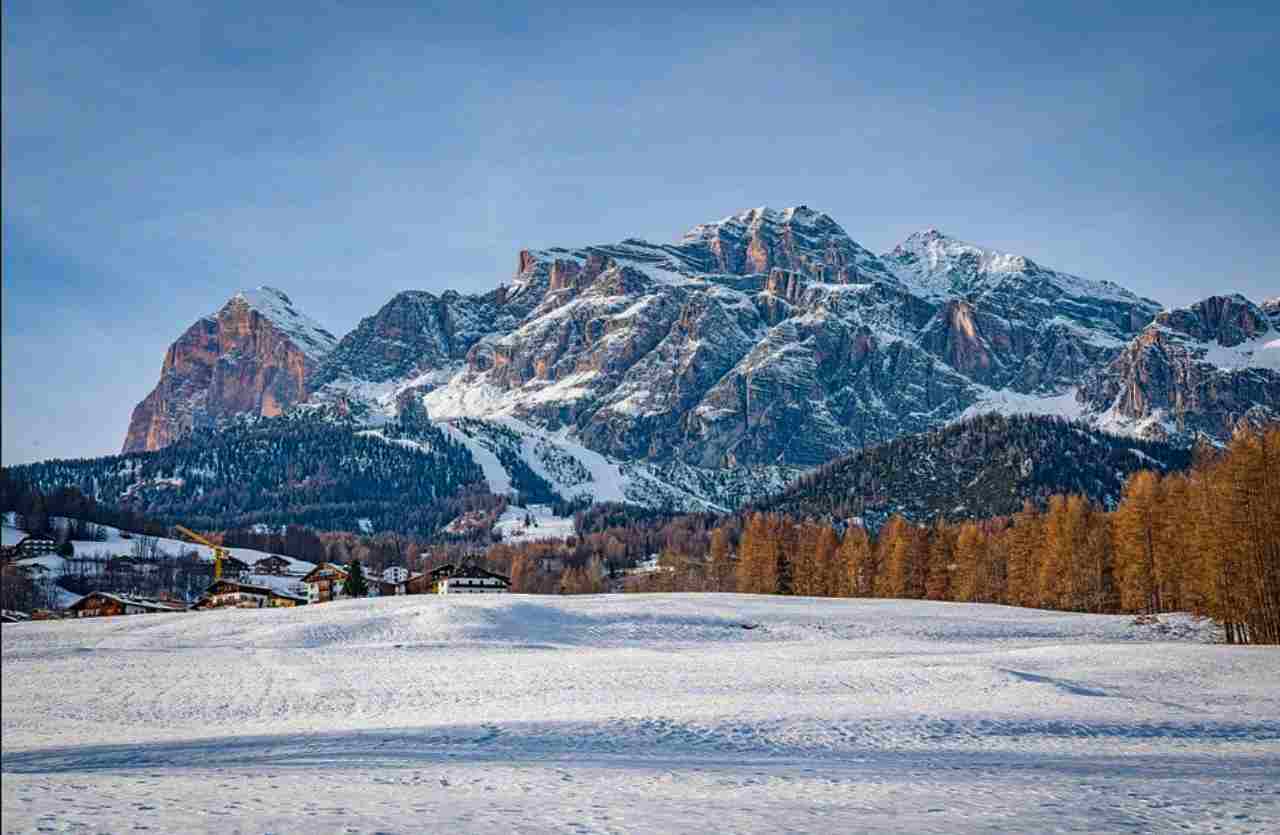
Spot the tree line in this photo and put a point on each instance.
(1206, 541)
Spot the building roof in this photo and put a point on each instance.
(466, 569)
(126, 600)
(239, 586)
(332, 566)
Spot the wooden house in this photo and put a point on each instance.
(281, 599)
(405, 583)
(232, 594)
(273, 564)
(325, 582)
(99, 604)
(233, 566)
(420, 584)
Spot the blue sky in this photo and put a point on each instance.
(158, 157)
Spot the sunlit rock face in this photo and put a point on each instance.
(252, 357)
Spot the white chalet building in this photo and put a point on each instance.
(468, 578)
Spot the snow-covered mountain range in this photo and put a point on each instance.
(717, 367)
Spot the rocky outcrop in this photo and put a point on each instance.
(252, 357)
(796, 239)
(414, 333)
(1010, 323)
(1195, 371)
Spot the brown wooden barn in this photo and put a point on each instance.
(101, 604)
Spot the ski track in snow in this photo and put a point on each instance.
(624, 713)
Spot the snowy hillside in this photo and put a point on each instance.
(532, 524)
(645, 712)
(518, 457)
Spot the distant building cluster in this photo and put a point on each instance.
(270, 583)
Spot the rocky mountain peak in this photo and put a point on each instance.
(1225, 320)
(940, 267)
(798, 238)
(416, 333)
(940, 264)
(273, 304)
(253, 356)
(765, 220)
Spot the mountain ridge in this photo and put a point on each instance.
(751, 349)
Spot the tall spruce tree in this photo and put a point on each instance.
(356, 585)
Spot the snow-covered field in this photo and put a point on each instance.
(657, 713)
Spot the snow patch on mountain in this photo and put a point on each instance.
(1263, 352)
(940, 267)
(310, 337)
(1006, 402)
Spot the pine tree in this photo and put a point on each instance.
(356, 585)
(940, 559)
(758, 556)
(522, 573)
(1135, 524)
(1171, 555)
(808, 574)
(828, 560)
(900, 560)
(970, 557)
(720, 561)
(785, 536)
(1025, 541)
(1051, 569)
(857, 562)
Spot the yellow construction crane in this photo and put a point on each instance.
(219, 553)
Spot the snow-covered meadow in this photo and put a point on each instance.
(664, 713)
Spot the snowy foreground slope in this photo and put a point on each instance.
(636, 713)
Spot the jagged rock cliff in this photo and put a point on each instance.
(771, 337)
(252, 357)
(1193, 371)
